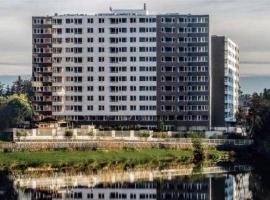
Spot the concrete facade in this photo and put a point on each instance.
(225, 73)
(183, 78)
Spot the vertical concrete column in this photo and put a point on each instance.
(14, 131)
(131, 134)
(75, 133)
(95, 133)
(169, 134)
(34, 132)
(151, 133)
(54, 132)
(113, 134)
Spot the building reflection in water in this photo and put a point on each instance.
(209, 187)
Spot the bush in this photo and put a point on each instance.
(190, 134)
(143, 134)
(194, 134)
(180, 135)
(91, 133)
(160, 135)
(21, 134)
(68, 134)
(199, 151)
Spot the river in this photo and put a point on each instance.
(235, 182)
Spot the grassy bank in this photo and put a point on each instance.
(85, 160)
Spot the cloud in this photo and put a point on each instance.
(244, 21)
(255, 62)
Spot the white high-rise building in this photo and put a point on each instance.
(104, 66)
(225, 74)
(109, 68)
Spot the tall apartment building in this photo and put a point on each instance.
(225, 69)
(109, 68)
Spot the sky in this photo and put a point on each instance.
(247, 22)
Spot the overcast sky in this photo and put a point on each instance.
(247, 22)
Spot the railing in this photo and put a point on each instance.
(87, 135)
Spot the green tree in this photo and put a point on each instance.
(199, 150)
(17, 87)
(2, 89)
(22, 87)
(160, 126)
(14, 110)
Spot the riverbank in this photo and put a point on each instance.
(95, 160)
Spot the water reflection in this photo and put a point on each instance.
(165, 184)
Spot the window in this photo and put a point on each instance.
(90, 98)
(90, 88)
(90, 49)
(133, 69)
(101, 20)
(101, 49)
(101, 59)
(90, 30)
(90, 20)
(90, 69)
(101, 98)
(101, 88)
(101, 196)
(132, 20)
(90, 59)
(101, 40)
(132, 30)
(90, 78)
(90, 108)
(78, 21)
(101, 69)
(101, 78)
(90, 40)
(101, 30)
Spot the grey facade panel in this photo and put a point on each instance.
(218, 60)
(173, 78)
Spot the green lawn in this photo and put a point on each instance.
(93, 159)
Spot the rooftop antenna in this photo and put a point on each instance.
(144, 6)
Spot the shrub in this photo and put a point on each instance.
(199, 150)
(68, 134)
(143, 134)
(179, 135)
(91, 133)
(21, 133)
(194, 134)
(160, 135)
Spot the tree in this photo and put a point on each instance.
(22, 87)
(14, 110)
(2, 89)
(160, 126)
(199, 150)
(259, 116)
(17, 87)
(68, 134)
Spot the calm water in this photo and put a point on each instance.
(238, 182)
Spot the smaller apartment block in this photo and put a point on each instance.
(225, 70)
